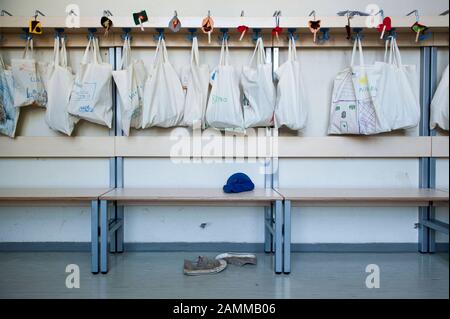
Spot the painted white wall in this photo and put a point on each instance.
(182, 224)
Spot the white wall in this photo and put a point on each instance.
(176, 224)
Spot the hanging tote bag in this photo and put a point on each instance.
(397, 100)
(130, 80)
(28, 86)
(163, 93)
(8, 122)
(59, 87)
(291, 103)
(439, 104)
(195, 79)
(91, 97)
(259, 90)
(224, 110)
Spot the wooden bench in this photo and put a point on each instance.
(359, 197)
(267, 198)
(61, 196)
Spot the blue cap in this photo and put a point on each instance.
(238, 183)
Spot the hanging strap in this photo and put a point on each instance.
(2, 64)
(161, 54)
(396, 53)
(292, 54)
(28, 53)
(85, 59)
(126, 54)
(259, 53)
(195, 56)
(56, 51)
(63, 52)
(361, 55)
(224, 53)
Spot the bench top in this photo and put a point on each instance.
(189, 195)
(363, 194)
(51, 194)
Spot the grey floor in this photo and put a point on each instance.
(159, 275)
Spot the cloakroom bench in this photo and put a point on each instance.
(357, 197)
(189, 197)
(61, 196)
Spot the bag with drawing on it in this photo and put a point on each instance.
(352, 109)
(28, 86)
(163, 93)
(8, 122)
(439, 104)
(91, 97)
(259, 90)
(130, 80)
(224, 110)
(195, 79)
(291, 104)
(59, 87)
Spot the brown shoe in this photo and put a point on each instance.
(203, 266)
(238, 259)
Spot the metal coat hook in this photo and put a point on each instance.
(325, 35)
(313, 13)
(444, 13)
(160, 34)
(126, 34)
(72, 13)
(416, 12)
(292, 34)
(59, 33)
(350, 14)
(192, 34)
(256, 34)
(107, 13)
(37, 13)
(242, 13)
(225, 35)
(391, 34)
(91, 33)
(277, 15)
(26, 35)
(3, 12)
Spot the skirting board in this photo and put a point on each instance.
(220, 247)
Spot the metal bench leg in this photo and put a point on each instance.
(432, 232)
(113, 235)
(120, 231)
(94, 237)
(104, 232)
(278, 237)
(287, 237)
(423, 230)
(267, 234)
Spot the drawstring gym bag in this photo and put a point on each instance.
(59, 87)
(91, 97)
(224, 109)
(8, 122)
(130, 80)
(259, 90)
(28, 86)
(195, 78)
(397, 100)
(291, 104)
(439, 105)
(163, 93)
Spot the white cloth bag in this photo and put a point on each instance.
(224, 110)
(91, 97)
(396, 99)
(439, 104)
(28, 86)
(163, 93)
(259, 90)
(11, 114)
(195, 79)
(352, 109)
(59, 87)
(130, 80)
(291, 103)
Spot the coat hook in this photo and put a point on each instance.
(59, 33)
(292, 34)
(26, 35)
(107, 13)
(36, 13)
(126, 33)
(325, 35)
(91, 33)
(313, 13)
(3, 12)
(192, 34)
(358, 34)
(444, 13)
(416, 12)
(256, 34)
(160, 35)
(225, 35)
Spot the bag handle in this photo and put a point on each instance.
(85, 59)
(2, 64)
(161, 54)
(28, 52)
(396, 53)
(292, 54)
(259, 53)
(63, 52)
(126, 54)
(361, 55)
(97, 54)
(56, 51)
(195, 55)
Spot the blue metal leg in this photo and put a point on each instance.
(120, 231)
(113, 235)
(104, 231)
(267, 234)
(432, 232)
(423, 230)
(278, 236)
(287, 237)
(94, 237)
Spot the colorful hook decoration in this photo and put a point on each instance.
(277, 30)
(208, 25)
(314, 25)
(175, 23)
(139, 18)
(242, 29)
